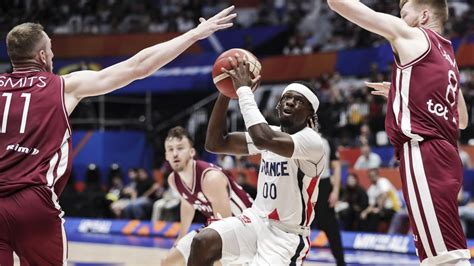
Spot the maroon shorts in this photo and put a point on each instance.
(31, 225)
(432, 176)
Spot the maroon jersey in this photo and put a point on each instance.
(422, 102)
(239, 199)
(35, 142)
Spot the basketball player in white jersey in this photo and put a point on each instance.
(275, 230)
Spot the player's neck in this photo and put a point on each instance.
(434, 27)
(27, 65)
(292, 130)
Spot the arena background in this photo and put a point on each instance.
(294, 40)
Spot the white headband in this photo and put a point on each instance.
(305, 91)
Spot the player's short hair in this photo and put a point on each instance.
(179, 133)
(439, 7)
(23, 39)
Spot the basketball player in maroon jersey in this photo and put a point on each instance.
(203, 187)
(35, 137)
(424, 113)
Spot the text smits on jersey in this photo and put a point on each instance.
(14, 83)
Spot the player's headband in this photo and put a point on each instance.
(305, 91)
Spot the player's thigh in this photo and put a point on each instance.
(276, 247)
(39, 233)
(239, 237)
(183, 247)
(6, 252)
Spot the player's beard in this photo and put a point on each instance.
(286, 122)
(180, 167)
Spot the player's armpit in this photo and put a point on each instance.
(388, 26)
(462, 111)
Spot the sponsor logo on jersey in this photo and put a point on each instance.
(437, 109)
(274, 168)
(18, 148)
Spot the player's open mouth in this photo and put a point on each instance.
(287, 112)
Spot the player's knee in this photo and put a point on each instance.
(208, 243)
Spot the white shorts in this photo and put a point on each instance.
(249, 238)
(184, 244)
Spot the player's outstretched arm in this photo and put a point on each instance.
(462, 111)
(218, 140)
(215, 186)
(91, 83)
(388, 26)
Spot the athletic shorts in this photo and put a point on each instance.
(432, 176)
(184, 244)
(249, 238)
(31, 224)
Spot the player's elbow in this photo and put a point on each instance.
(212, 146)
(463, 124)
(261, 142)
(140, 72)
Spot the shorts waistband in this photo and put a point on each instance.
(293, 229)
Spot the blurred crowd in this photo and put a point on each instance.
(311, 25)
(127, 16)
(322, 30)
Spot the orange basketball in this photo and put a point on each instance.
(222, 80)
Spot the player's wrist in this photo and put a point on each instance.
(249, 108)
(244, 91)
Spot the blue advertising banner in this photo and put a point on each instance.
(351, 240)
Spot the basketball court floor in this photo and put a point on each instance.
(105, 250)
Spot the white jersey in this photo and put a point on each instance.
(288, 187)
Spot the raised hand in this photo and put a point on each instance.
(240, 73)
(221, 20)
(380, 88)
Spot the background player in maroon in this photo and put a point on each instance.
(201, 186)
(424, 111)
(35, 143)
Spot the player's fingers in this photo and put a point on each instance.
(233, 62)
(201, 20)
(256, 80)
(387, 84)
(379, 93)
(228, 72)
(223, 13)
(240, 61)
(374, 84)
(224, 26)
(226, 18)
